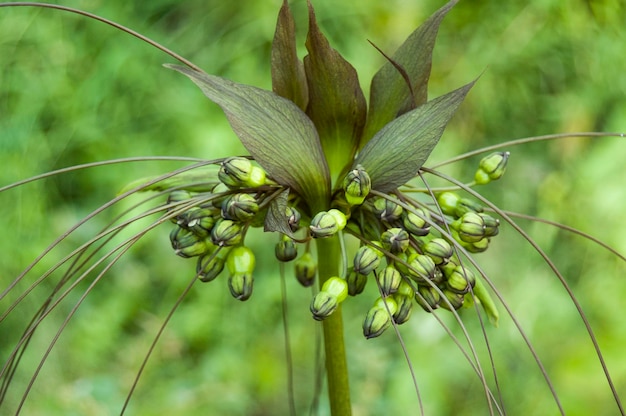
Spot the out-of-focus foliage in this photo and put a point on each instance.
(75, 91)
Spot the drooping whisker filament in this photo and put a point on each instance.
(77, 272)
(81, 265)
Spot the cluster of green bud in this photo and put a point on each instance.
(470, 226)
(410, 248)
(409, 263)
(212, 225)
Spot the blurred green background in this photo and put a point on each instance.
(75, 91)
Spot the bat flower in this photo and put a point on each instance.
(324, 163)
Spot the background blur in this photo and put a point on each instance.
(74, 91)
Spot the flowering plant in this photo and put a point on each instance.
(328, 169)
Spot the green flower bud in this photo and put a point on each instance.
(405, 306)
(492, 225)
(491, 167)
(323, 225)
(240, 259)
(421, 268)
(239, 207)
(240, 262)
(209, 267)
(187, 244)
(200, 221)
(481, 177)
(448, 202)
(240, 285)
(387, 210)
(306, 268)
(416, 224)
(400, 264)
(477, 247)
(389, 280)
(460, 280)
(455, 299)
(396, 240)
(470, 227)
(235, 172)
(356, 282)
(340, 217)
(366, 260)
(286, 249)
(467, 205)
(438, 249)
(226, 233)
(258, 177)
(322, 305)
(293, 218)
(448, 268)
(337, 287)
(357, 185)
(405, 289)
(378, 318)
(239, 172)
(428, 298)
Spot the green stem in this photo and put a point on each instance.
(328, 255)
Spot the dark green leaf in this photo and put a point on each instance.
(288, 78)
(276, 218)
(390, 95)
(279, 136)
(336, 102)
(398, 150)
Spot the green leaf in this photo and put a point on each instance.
(390, 95)
(279, 136)
(336, 102)
(288, 79)
(398, 150)
(276, 218)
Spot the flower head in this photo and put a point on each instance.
(325, 163)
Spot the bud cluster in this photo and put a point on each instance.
(410, 261)
(212, 225)
(408, 246)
